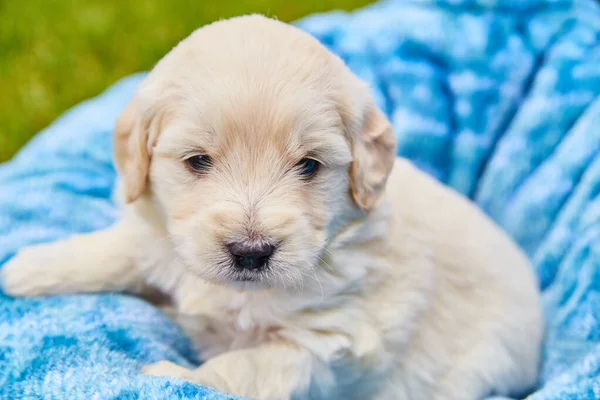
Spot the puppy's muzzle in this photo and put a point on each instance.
(250, 256)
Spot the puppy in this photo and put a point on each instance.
(263, 194)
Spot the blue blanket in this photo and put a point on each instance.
(498, 99)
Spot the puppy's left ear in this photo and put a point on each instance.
(374, 152)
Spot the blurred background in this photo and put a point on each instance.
(55, 53)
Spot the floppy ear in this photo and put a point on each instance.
(374, 152)
(132, 155)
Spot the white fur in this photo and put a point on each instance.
(419, 297)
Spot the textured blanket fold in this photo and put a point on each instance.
(498, 99)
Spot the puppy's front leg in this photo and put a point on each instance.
(272, 371)
(102, 260)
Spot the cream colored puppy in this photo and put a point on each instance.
(265, 197)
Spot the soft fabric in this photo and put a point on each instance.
(498, 99)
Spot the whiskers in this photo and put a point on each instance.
(316, 278)
(305, 272)
(299, 274)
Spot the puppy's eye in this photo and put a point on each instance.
(308, 167)
(199, 163)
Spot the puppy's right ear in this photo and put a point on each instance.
(132, 155)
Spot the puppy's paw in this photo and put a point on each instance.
(167, 368)
(24, 274)
(201, 375)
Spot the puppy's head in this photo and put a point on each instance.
(256, 142)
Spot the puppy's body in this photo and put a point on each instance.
(407, 292)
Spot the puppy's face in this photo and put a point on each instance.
(251, 184)
(250, 152)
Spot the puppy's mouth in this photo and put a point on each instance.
(282, 270)
(228, 272)
(247, 280)
(247, 276)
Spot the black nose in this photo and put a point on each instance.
(250, 256)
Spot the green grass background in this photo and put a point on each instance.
(55, 53)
